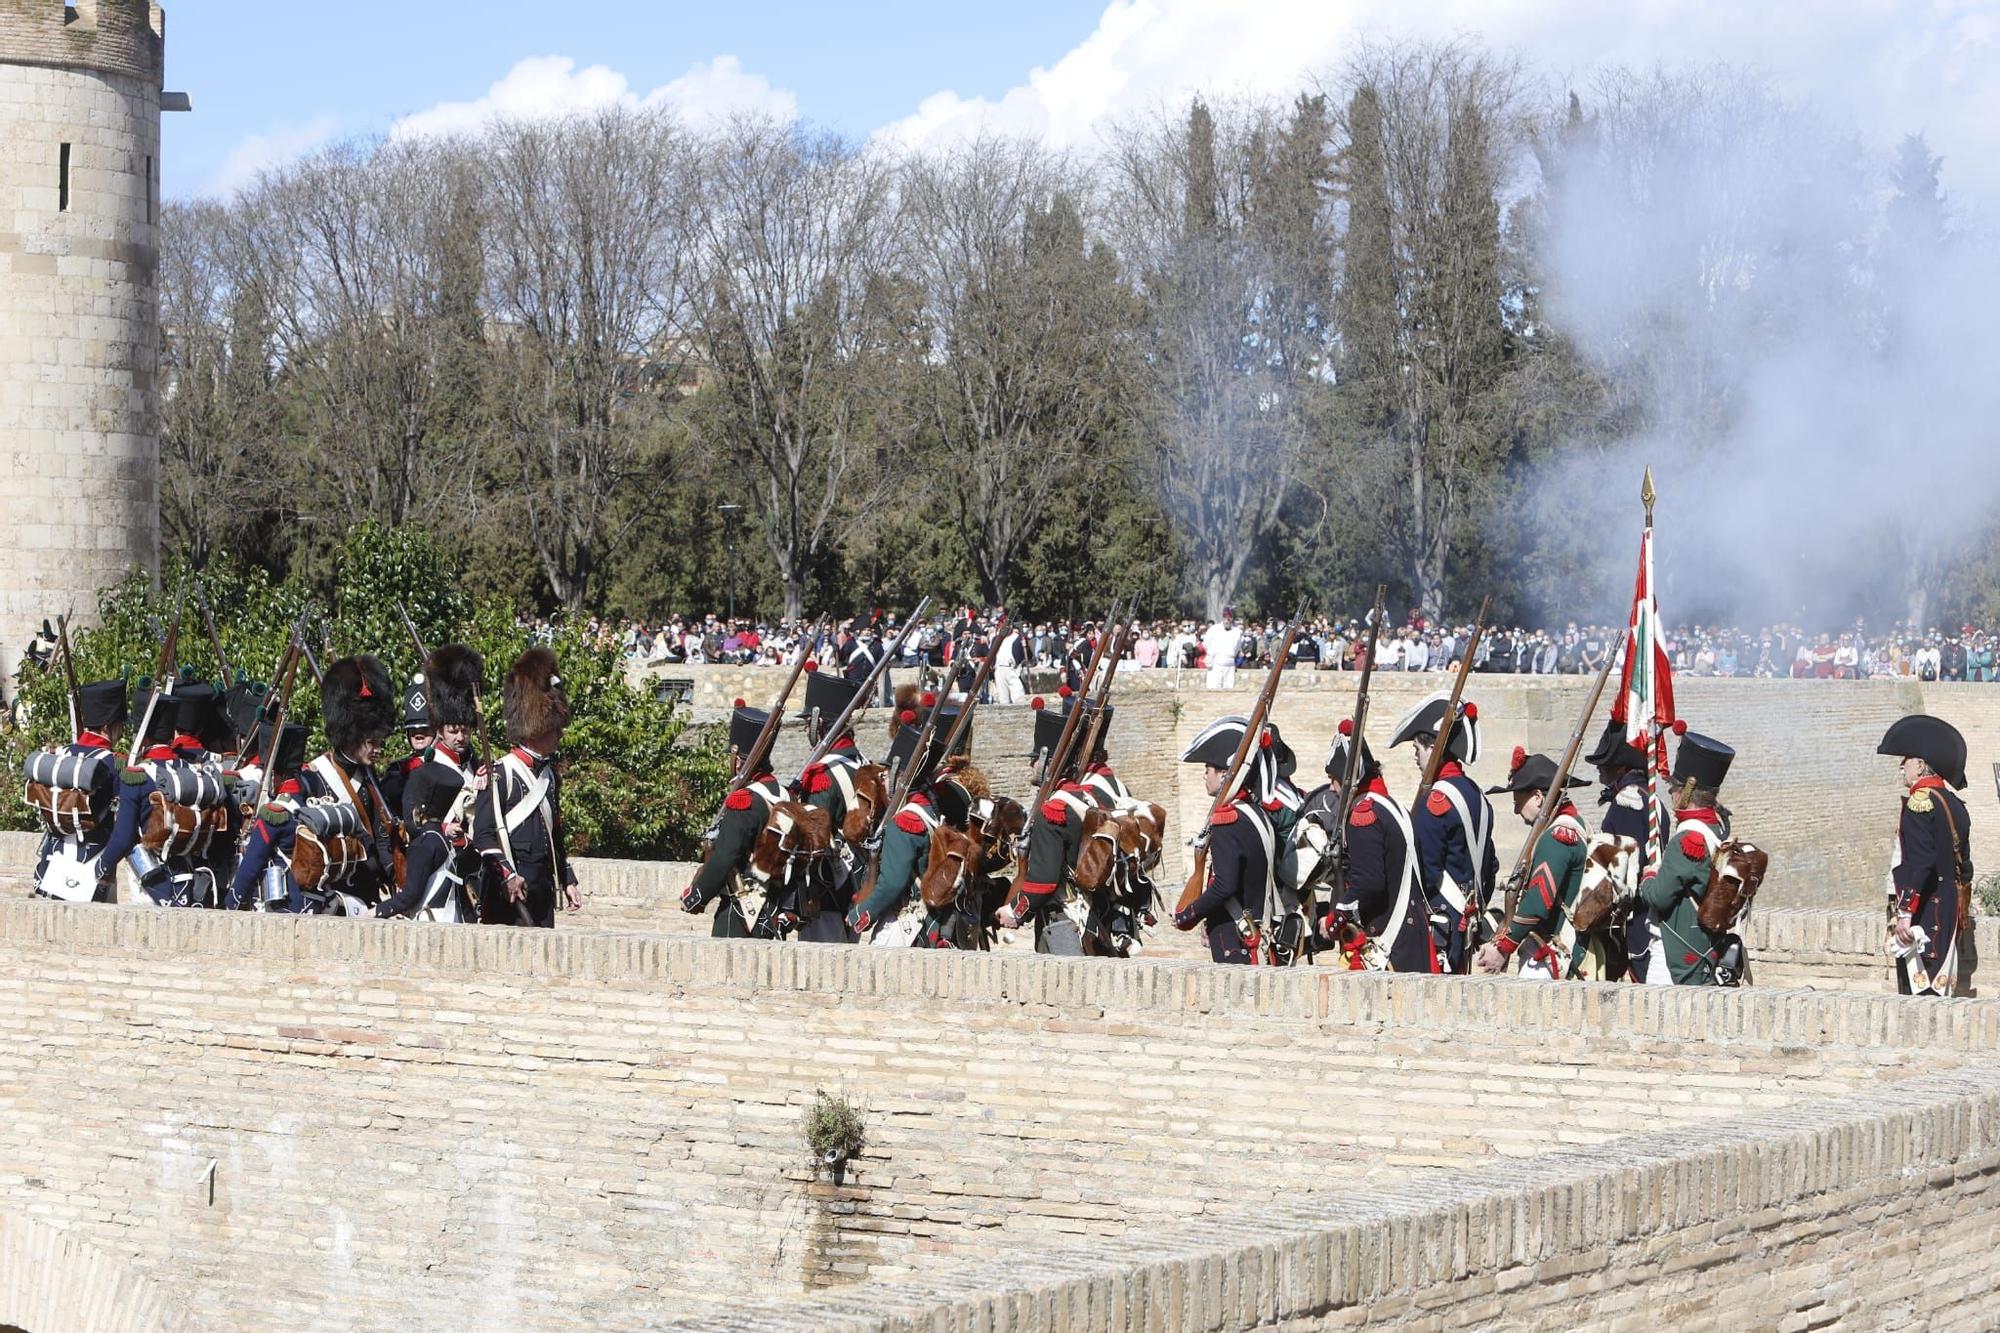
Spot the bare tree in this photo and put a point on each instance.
(364, 251)
(797, 315)
(1224, 221)
(587, 263)
(215, 396)
(1027, 330)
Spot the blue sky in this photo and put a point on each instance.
(271, 81)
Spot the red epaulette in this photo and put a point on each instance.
(1694, 847)
(1439, 803)
(1566, 835)
(816, 779)
(738, 800)
(1055, 812)
(1364, 814)
(1224, 816)
(911, 822)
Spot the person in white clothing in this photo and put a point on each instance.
(1008, 687)
(1221, 641)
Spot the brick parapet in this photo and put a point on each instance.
(125, 37)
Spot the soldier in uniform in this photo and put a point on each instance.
(1378, 917)
(1242, 845)
(1453, 825)
(78, 810)
(1540, 924)
(1693, 956)
(1044, 892)
(263, 879)
(1622, 769)
(358, 710)
(829, 785)
(438, 795)
(417, 730)
(1292, 925)
(137, 784)
(725, 871)
(517, 822)
(890, 911)
(1931, 868)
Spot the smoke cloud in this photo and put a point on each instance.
(1793, 344)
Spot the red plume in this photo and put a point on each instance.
(1264, 741)
(1680, 727)
(906, 717)
(929, 700)
(1347, 726)
(739, 704)
(1520, 758)
(1038, 703)
(1472, 712)
(811, 666)
(366, 693)
(1064, 692)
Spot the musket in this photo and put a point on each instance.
(1122, 634)
(1058, 758)
(69, 672)
(274, 716)
(905, 780)
(767, 736)
(319, 677)
(1332, 867)
(1553, 799)
(1225, 796)
(214, 637)
(1441, 747)
(839, 727)
(163, 677)
(423, 653)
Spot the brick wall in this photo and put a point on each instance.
(495, 1127)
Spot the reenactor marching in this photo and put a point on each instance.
(517, 827)
(890, 911)
(1696, 954)
(820, 901)
(1930, 870)
(1242, 845)
(1622, 770)
(441, 878)
(1379, 918)
(1453, 825)
(358, 710)
(74, 792)
(1540, 930)
(726, 876)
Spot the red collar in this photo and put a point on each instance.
(454, 758)
(1701, 814)
(919, 798)
(1930, 783)
(1567, 808)
(159, 752)
(288, 787)
(1450, 768)
(93, 740)
(1101, 769)
(1375, 786)
(844, 743)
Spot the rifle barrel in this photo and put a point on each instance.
(894, 651)
(1435, 763)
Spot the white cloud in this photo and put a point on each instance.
(1887, 67)
(261, 152)
(542, 87)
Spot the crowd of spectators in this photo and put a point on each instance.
(1215, 650)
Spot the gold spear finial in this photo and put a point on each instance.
(1647, 494)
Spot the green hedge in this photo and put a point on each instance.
(639, 779)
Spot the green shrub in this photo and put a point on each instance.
(639, 779)
(834, 1132)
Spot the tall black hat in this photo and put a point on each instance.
(100, 705)
(166, 716)
(1426, 720)
(241, 703)
(1532, 772)
(533, 697)
(1614, 751)
(417, 703)
(455, 674)
(428, 795)
(827, 696)
(291, 747)
(1702, 761)
(1336, 758)
(198, 713)
(746, 724)
(1216, 745)
(905, 743)
(1931, 739)
(357, 701)
(1048, 728)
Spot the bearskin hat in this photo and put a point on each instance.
(533, 694)
(357, 701)
(456, 674)
(909, 699)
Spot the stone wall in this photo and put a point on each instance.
(316, 1122)
(79, 312)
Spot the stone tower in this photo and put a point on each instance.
(80, 102)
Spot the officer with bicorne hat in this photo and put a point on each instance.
(1453, 825)
(1242, 846)
(1930, 871)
